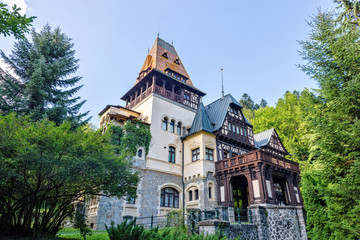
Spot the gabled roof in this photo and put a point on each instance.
(217, 110)
(263, 138)
(201, 121)
(164, 56)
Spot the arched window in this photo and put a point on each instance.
(172, 126)
(165, 124)
(169, 198)
(178, 128)
(172, 154)
(139, 153)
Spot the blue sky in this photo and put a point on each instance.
(255, 42)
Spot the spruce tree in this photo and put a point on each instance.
(44, 85)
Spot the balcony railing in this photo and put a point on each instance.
(162, 92)
(254, 156)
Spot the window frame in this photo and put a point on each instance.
(196, 193)
(164, 124)
(209, 154)
(178, 128)
(169, 197)
(171, 156)
(172, 126)
(195, 153)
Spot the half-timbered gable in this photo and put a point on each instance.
(270, 141)
(234, 134)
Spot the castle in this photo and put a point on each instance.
(200, 157)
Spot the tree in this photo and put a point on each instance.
(247, 102)
(13, 23)
(263, 103)
(289, 117)
(333, 61)
(46, 169)
(45, 86)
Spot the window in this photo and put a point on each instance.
(130, 199)
(229, 127)
(241, 130)
(209, 154)
(172, 126)
(226, 155)
(245, 132)
(172, 154)
(196, 154)
(169, 198)
(196, 194)
(233, 127)
(190, 196)
(139, 153)
(210, 194)
(237, 130)
(164, 124)
(178, 128)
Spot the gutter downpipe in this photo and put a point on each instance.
(182, 177)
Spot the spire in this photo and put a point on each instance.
(164, 57)
(222, 84)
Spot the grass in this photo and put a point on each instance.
(74, 234)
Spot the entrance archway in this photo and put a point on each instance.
(240, 198)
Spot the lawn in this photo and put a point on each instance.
(74, 234)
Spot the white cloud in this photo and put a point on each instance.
(19, 3)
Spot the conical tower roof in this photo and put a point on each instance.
(201, 121)
(164, 57)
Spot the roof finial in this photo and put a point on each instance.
(158, 34)
(172, 39)
(148, 51)
(222, 83)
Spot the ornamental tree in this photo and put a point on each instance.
(46, 169)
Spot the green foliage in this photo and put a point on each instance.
(80, 221)
(46, 168)
(132, 231)
(128, 231)
(333, 61)
(289, 117)
(45, 86)
(13, 23)
(249, 106)
(128, 138)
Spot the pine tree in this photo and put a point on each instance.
(333, 60)
(44, 85)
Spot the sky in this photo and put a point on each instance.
(255, 42)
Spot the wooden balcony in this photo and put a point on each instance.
(253, 157)
(162, 92)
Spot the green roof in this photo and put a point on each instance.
(201, 121)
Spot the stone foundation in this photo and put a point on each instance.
(279, 222)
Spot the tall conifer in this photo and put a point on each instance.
(44, 85)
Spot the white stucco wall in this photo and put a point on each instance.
(155, 108)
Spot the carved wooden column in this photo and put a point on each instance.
(271, 173)
(172, 91)
(182, 96)
(247, 174)
(289, 182)
(163, 87)
(263, 193)
(153, 83)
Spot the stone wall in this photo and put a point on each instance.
(279, 222)
(242, 231)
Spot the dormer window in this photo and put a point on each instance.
(177, 61)
(165, 54)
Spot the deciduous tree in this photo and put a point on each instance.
(46, 169)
